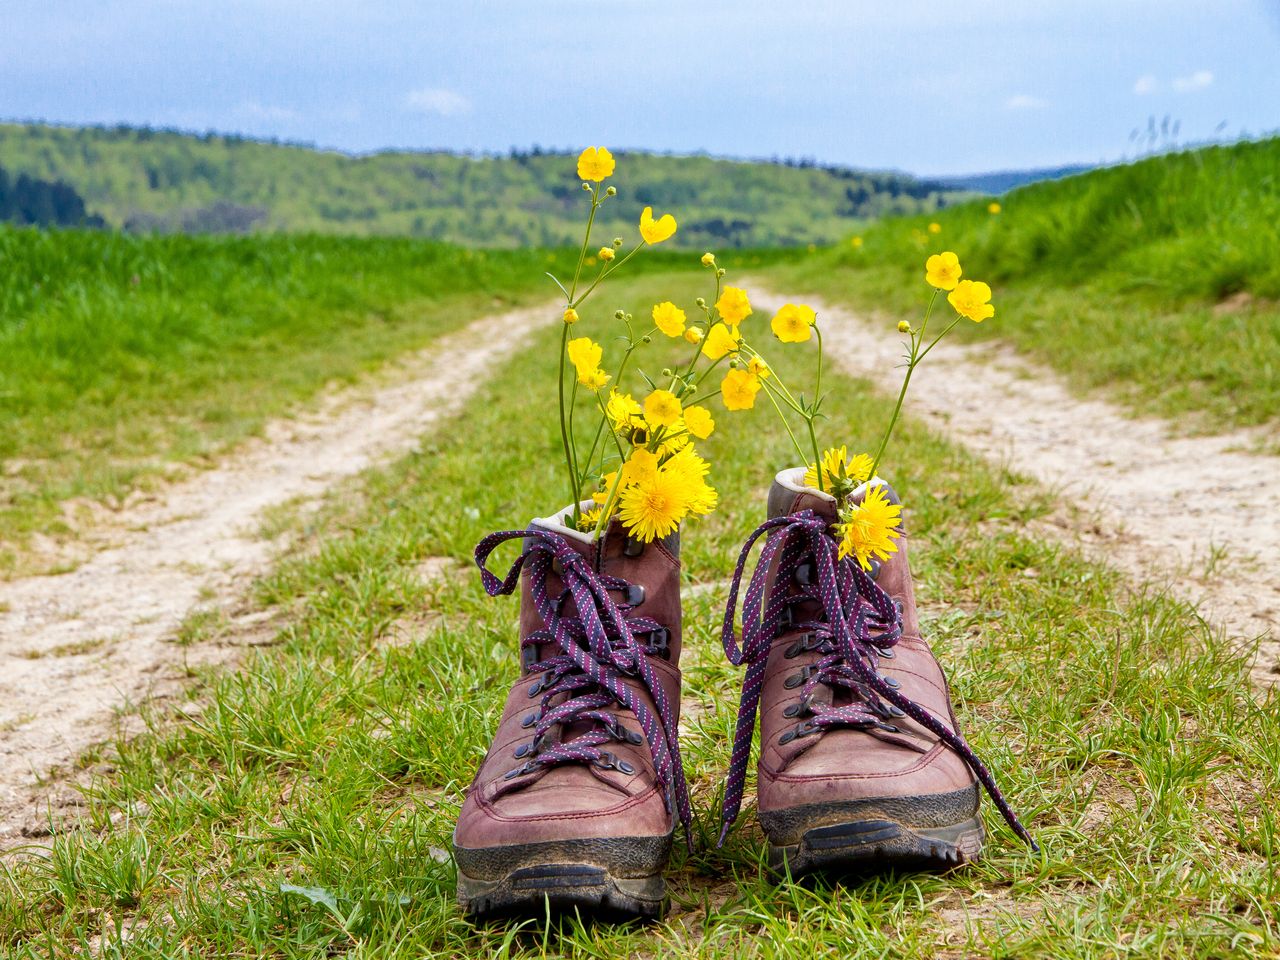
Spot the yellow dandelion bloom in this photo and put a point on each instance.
(622, 409)
(693, 335)
(869, 529)
(708, 259)
(761, 369)
(594, 379)
(942, 270)
(653, 508)
(588, 519)
(698, 421)
(739, 389)
(733, 306)
(662, 408)
(640, 466)
(674, 439)
(838, 471)
(935, 228)
(971, 299)
(669, 318)
(584, 354)
(793, 323)
(655, 231)
(693, 470)
(595, 164)
(605, 254)
(720, 340)
(570, 315)
(993, 207)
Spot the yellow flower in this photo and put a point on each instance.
(993, 207)
(857, 242)
(869, 528)
(594, 379)
(595, 163)
(692, 470)
(904, 326)
(761, 369)
(838, 471)
(584, 355)
(942, 270)
(693, 335)
(708, 259)
(606, 484)
(653, 508)
(588, 519)
(674, 438)
(970, 298)
(605, 254)
(734, 306)
(935, 228)
(793, 323)
(655, 231)
(669, 318)
(720, 340)
(622, 410)
(640, 466)
(662, 408)
(570, 315)
(698, 421)
(739, 389)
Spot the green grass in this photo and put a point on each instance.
(1113, 276)
(335, 761)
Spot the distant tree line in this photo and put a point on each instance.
(43, 203)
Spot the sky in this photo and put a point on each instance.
(930, 88)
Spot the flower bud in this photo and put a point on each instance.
(693, 335)
(702, 304)
(666, 372)
(708, 259)
(628, 318)
(605, 254)
(586, 186)
(570, 315)
(619, 315)
(617, 241)
(904, 326)
(646, 339)
(720, 272)
(611, 191)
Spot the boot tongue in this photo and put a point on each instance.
(790, 495)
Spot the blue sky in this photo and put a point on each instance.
(927, 87)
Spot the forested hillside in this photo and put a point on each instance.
(154, 180)
(31, 201)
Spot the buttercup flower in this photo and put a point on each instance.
(570, 315)
(935, 228)
(640, 466)
(857, 242)
(733, 305)
(838, 471)
(595, 164)
(793, 323)
(622, 410)
(669, 318)
(869, 529)
(655, 231)
(654, 507)
(739, 389)
(693, 334)
(720, 340)
(605, 254)
(970, 299)
(708, 259)
(698, 421)
(594, 379)
(942, 270)
(662, 408)
(759, 368)
(993, 207)
(584, 355)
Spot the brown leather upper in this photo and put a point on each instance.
(580, 800)
(844, 763)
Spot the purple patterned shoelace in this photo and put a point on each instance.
(858, 621)
(598, 647)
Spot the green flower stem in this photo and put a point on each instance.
(606, 272)
(564, 425)
(768, 392)
(912, 360)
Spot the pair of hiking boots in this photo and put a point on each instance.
(861, 764)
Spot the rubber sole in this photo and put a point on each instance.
(865, 846)
(612, 879)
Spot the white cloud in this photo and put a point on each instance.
(1024, 101)
(1195, 81)
(437, 100)
(1146, 84)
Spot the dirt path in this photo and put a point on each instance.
(78, 648)
(1198, 513)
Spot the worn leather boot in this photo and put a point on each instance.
(576, 801)
(861, 762)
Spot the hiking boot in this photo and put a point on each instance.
(576, 801)
(862, 765)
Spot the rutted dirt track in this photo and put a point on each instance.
(74, 648)
(1197, 513)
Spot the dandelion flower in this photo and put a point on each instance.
(869, 529)
(971, 299)
(655, 231)
(622, 409)
(720, 340)
(662, 408)
(733, 305)
(942, 270)
(653, 508)
(595, 164)
(594, 379)
(669, 318)
(698, 421)
(793, 323)
(739, 389)
(693, 470)
(588, 519)
(838, 471)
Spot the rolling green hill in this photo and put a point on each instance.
(151, 180)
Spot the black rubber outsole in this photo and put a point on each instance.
(558, 888)
(869, 846)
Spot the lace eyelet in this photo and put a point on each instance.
(523, 751)
(625, 767)
(792, 711)
(886, 652)
(530, 721)
(891, 682)
(634, 738)
(797, 679)
(634, 595)
(518, 771)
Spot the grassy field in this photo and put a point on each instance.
(1158, 280)
(335, 760)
